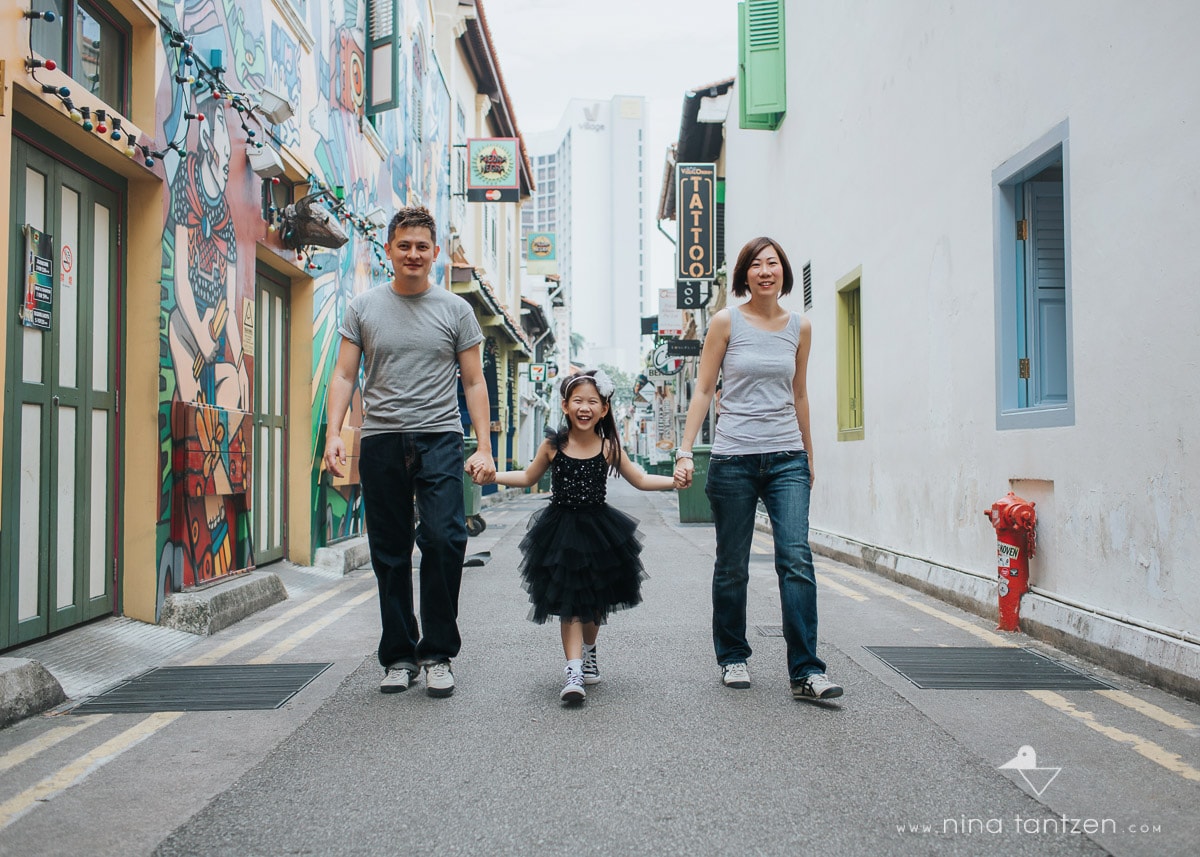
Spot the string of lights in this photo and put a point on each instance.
(195, 76)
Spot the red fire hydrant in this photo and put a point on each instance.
(1014, 520)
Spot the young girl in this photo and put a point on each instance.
(582, 556)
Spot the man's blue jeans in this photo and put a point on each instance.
(735, 484)
(394, 467)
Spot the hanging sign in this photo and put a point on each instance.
(683, 347)
(493, 171)
(695, 205)
(541, 253)
(670, 317)
(691, 294)
(537, 372)
(662, 362)
(39, 279)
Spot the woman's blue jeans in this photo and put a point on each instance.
(735, 485)
(394, 467)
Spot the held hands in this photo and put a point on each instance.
(481, 468)
(684, 468)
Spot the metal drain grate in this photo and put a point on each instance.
(770, 630)
(236, 687)
(982, 668)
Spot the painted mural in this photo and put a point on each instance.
(214, 220)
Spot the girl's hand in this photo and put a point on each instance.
(684, 468)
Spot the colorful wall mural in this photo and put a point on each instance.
(214, 219)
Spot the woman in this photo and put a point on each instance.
(762, 450)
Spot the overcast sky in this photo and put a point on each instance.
(553, 50)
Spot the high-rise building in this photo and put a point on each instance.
(591, 185)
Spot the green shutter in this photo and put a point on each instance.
(383, 56)
(762, 94)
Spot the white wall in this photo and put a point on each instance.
(897, 116)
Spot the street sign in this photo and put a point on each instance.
(692, 294)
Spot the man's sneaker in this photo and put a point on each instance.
(815, 686)
(591, 668)
(439, 679)
(573, 692)
(736, 675)
(396, 680)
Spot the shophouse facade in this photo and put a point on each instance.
(173, 318)
(989, 218)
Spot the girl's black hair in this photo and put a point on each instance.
(606, 426)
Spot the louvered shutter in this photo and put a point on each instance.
(1048, 282)
(762, 94)
(383, 59)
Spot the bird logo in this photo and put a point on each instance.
(1025, 763)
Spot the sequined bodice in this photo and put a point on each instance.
(578, 482)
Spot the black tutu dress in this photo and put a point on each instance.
(582, 557)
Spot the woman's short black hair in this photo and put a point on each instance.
(740, 285)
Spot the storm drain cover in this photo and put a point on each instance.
(982, 668)
(234, 687)
(770, 630)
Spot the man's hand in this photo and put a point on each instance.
(482, 467)
(684, 468)
(335, 455)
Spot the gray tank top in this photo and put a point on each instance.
(758, 413)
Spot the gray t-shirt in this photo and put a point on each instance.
(410, 346)
(758, 411)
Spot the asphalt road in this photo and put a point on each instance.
(661, 759)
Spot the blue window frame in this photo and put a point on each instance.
(1034, 375)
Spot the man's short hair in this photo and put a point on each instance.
(413, 216)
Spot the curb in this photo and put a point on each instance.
(344, 557)
(209, 610)
(26, 688)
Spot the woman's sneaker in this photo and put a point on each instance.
(591, 668)
(439, 679)
(573, 692)
(736, 675)
(815, 686)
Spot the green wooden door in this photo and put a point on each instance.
(58, 552)
(269, 462)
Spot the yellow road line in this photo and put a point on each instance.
(1149, 709)
(29, 749)
(825, 580)
(286, 645)
(1159, 755)
(267, 627)
(962, 624)
(77, 771)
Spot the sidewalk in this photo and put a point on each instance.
(61, 670)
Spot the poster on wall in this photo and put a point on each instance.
(39, 279)
(493, 170)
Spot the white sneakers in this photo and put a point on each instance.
(396, 680)
(439, 679)
(573, 692)
(815, 686)
(736, 675)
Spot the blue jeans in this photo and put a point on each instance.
(735, 484)
(394, 467)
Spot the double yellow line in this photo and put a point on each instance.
(78, 770)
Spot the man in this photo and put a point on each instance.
(416, 338)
